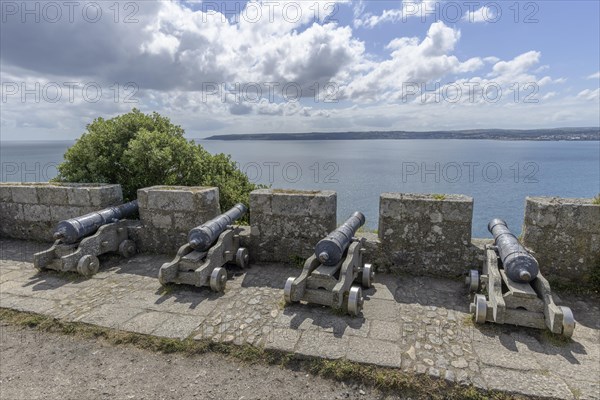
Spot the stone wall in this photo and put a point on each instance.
(417, 234)
(286, 224)
(32, 210)
(168, 213)
(426, 234)
(564, 234)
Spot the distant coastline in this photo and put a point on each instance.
(555, 134)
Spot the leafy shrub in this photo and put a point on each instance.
(139, 150)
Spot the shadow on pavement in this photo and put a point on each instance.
(303, 316)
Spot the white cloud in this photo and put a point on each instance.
(408, 9)
(546, 80)
(174, 51)
(517, 69)
(483, 14)
(411, 62)
(589, 94)
(594, 76)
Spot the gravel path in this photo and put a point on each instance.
(38, 365)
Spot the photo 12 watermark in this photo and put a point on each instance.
(470, 92)
(256, 92)
(13, 171)
(451, 12)
(254, 12)
(472, 11)
(265, 172)
(52, 12)
(270, 172)
(469, 172)
(70, 92)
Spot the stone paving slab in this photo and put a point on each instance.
(418, 324)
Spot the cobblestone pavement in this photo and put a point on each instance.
(418, 324)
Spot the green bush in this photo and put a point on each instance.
(139, 150)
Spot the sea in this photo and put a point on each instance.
(499, 175)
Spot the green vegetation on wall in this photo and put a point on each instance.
(140, 150)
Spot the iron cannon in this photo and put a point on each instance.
(203, 236)
(328, 275)
(201, 261)
(519, 265)
(80, 240)
(515, 292)
(330, 250)
(74, 229)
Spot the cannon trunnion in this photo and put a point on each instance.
(201, 261)
(508, 301)
(80, 240)
(332, 285)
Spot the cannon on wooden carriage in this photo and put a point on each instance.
(329, 275)
(80, 240)
(201, 261)
(517, 293)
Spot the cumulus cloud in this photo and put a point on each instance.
(594, 76)
(173, 46)
(214, 73)
(412, 61)
(483, 14)
(408, 9)
(518, 69)
(589, 94)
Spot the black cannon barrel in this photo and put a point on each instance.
(203, 236)
(75, 229)
(519, 265)
(330, 250)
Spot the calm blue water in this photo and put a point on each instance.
(498, 175)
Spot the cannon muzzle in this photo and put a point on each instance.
(330, 250)
(519, 264)
(202, 237)
(75, 229)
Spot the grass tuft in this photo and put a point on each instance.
(167, 289)
(281, 304)
(415, 386)
(297, 261)
(555, 339)
(469, 320)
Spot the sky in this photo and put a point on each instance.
(217, 67)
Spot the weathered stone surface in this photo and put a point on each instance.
(36, 212)
(34, 209)
(178, 326)
(497, 355)
(24, 194)
(426, 234)
(168, 213)
(424, 328)
(53, 195)
(539, 383)
(146, 323)
(322, 344)
(78, 196)
(5, 194)
(106, 195)
(60, 213)
(283, 339)
(564, 235)
(385, 330)
(371, 351)
(286, 224)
